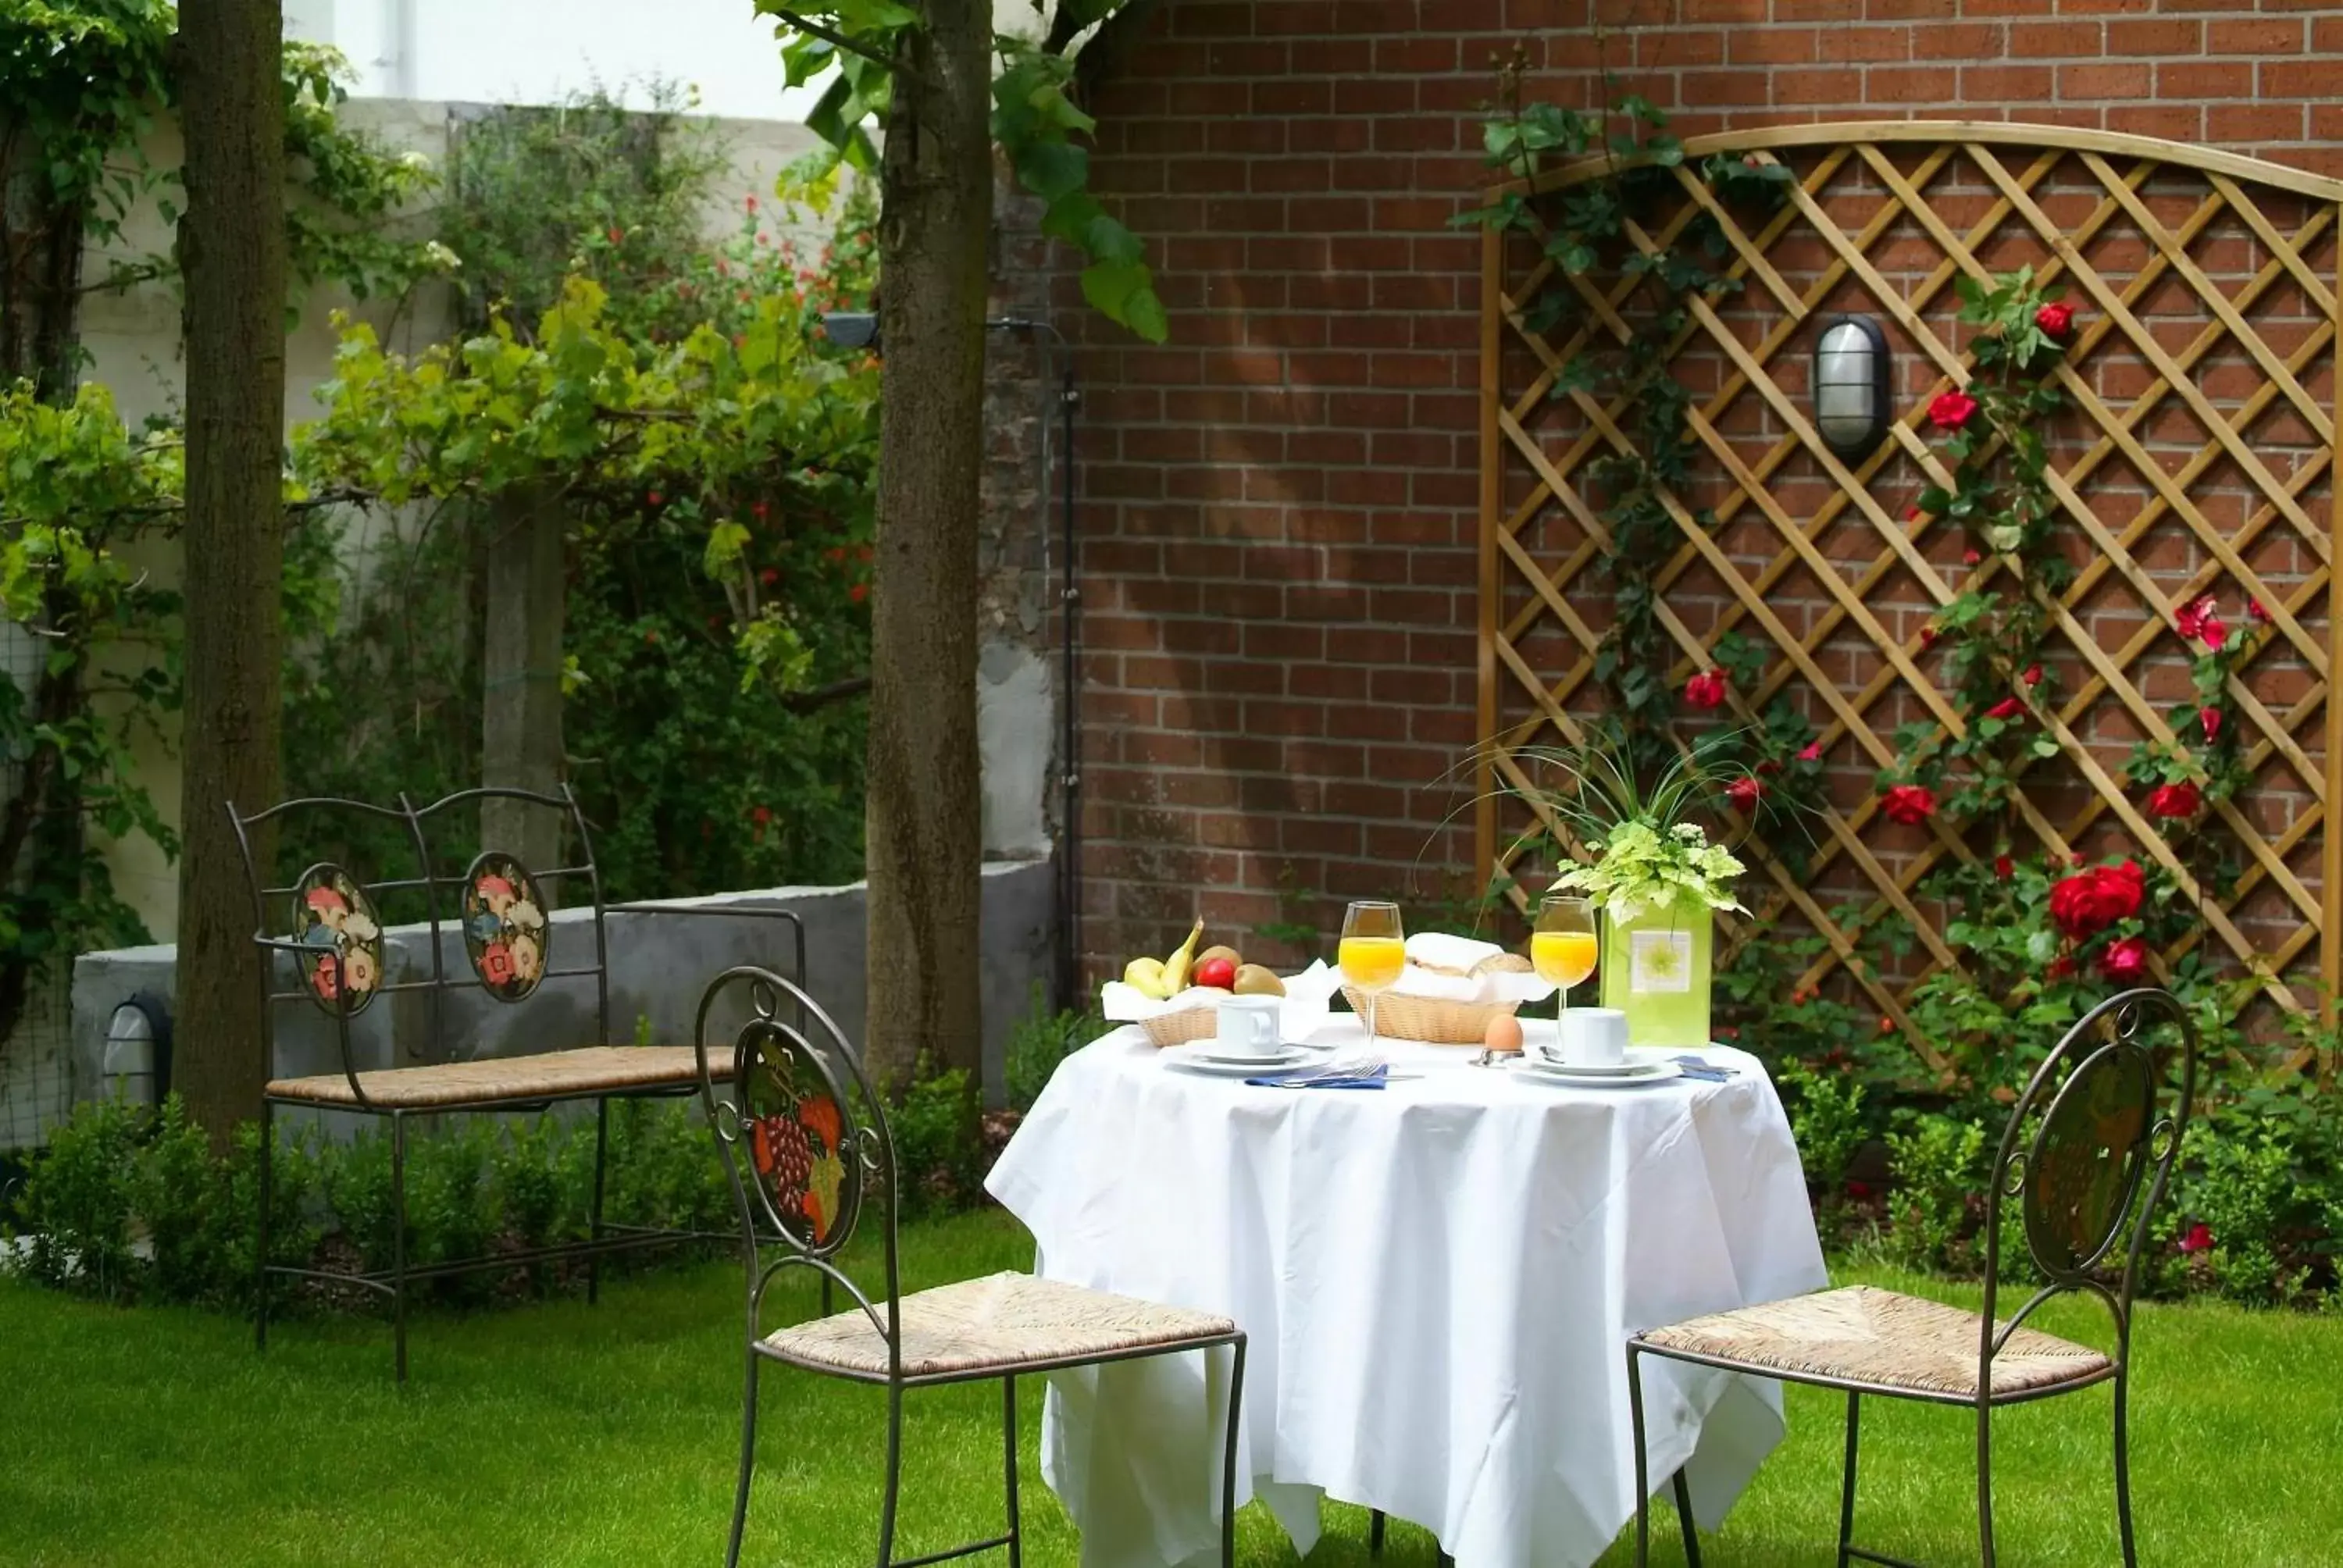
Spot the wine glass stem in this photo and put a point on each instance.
(1372, 997)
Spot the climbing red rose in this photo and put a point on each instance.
(2209, 720)
(1707, 688)
(2191, 618)
(2056, 321)
(2175, 800)
(1951, 410)
(1910, 804)
(2033, 675)
(2090, 902)
(2002, 868)
(1811, 752)
(1744, 792)
(2008, 708)
(2124, 960)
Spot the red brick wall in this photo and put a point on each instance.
(1280, 505)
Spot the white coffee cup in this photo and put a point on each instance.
(1591, 1037)
(1249, 1025)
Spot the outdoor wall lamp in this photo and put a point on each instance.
(852, 328)
(137, 1064)
(1850, 386)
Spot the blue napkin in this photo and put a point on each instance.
(1318, 1079)
(1707, 1072)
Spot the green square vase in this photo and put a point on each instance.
(1655, 970)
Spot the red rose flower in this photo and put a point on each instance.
(2056, 321)
(1811, 752)
(2214, 633)
(2175, 800)
(2008, 708)
(2254, 609)
(1910, 804)
(1928, 635)
(1744, 792)
(1706, 689)
(2061, 967)
(1951, 410)
(2033, 675)
(858, 592)
(1970, 558)
(2090, 901)
(2199, 1238)
(2002, 867)
(2191, 618)
(2124, 960)
(2209, 720)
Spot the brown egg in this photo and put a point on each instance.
(1503, 1035)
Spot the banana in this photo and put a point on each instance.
(1175, 968)
(1146, 977)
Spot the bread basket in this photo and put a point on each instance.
(1440, 1020)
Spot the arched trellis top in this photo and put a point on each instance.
(2267, 330)
(1982, 133)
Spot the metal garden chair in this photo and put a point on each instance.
(794, 1093)
(2094, 1168)
(329, 951)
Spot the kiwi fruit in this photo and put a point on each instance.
(1235, 958)
(1259, 980)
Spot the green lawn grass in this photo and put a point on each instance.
(575, 1436)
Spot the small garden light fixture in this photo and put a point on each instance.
(1850, 386)
(138, 1064)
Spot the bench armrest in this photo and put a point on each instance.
(730, 912)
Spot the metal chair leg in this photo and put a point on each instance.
(894, 1473)
(1985, 1481)
(1229, 1459)
(1009, 1467)
(602, 1156)
(2123, 1467)
(398, 1240)
(1846, 1483)
(260, 1235)
(747, 1464)
(1683, 1489)
(1643, 1470)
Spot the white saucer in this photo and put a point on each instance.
(1632, 1075)
(1638, 1064)
(1231, 1066)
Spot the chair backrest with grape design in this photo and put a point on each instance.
(803, 1135)
(2089, 1149)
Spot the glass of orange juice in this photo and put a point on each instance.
(1563, 947)
(1374, 951)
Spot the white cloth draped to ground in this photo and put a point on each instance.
(1438, 1280)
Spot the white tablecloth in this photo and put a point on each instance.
(1437, 1277)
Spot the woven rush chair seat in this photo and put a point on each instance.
(993, 1325)
(553, 1075)
(1862, 1334)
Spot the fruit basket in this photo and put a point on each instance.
(1440, 1020)
(1193, 983)
(1189, 1023)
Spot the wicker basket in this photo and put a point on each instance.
(1180, 1028)
(1436, 1020)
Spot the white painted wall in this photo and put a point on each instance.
(540, 51)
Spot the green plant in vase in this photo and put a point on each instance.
(1656, 875)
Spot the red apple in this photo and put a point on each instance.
(1218, 972)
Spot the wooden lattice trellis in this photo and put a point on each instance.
(2200, 458)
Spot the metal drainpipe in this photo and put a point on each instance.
(1070, 611)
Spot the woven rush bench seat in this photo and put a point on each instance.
(993, 1325)
(613, 1068)
(1863, 1334)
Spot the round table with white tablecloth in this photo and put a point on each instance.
(1438, 1279)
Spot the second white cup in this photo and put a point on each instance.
(1591, 1037)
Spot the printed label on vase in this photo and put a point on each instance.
(1659, 960)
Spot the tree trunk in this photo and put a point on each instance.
(232, 253)
(923, 821)
(521, 674)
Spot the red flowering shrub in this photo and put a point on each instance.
(1910, 804)
(2056, 321)
(2177, 801)
(1707, 689)
(1951, 410)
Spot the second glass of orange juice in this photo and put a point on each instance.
(1563, 947)
(1373, 951)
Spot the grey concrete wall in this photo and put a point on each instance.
(659, 966)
